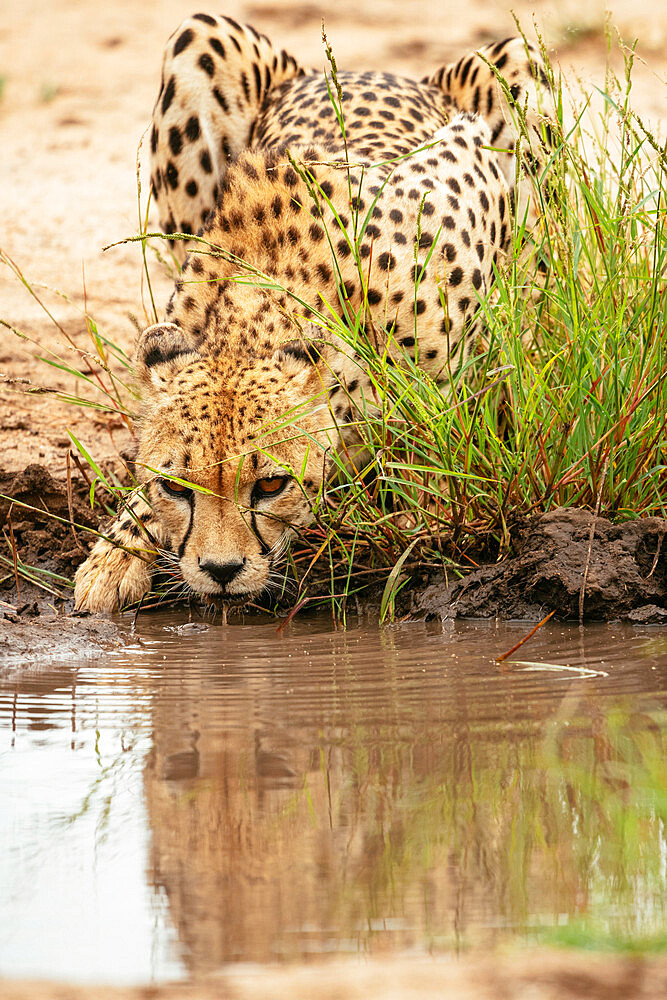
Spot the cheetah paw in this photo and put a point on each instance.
(110, 578)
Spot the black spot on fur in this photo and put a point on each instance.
(221, 99)
(217, 46)
(168, 95)
(172, 175)
(206, 63)
(192, 128)
(183, 41)
(175, 140)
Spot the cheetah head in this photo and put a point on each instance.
(235, 450)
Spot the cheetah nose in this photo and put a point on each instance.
(222, 573)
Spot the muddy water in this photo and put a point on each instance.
(213, 795)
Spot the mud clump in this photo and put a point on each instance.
(30, 641)
(30, 505)
(624, 567)
(35, 626)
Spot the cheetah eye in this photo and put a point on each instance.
(269, 487)
(175, 489)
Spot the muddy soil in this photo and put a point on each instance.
(625, 568)
(45, 524)
(41, 517)
(544, 976)
(33, 637)
(568, 561)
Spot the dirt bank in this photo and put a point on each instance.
(30, 637)
(624, 565)
(37, 623)
(567, 561)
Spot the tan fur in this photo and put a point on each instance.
(421, 192)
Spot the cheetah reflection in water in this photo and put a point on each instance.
(247, 150)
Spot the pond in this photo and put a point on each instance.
(211, 795)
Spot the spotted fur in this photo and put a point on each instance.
(247, 151)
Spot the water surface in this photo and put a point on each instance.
(212, 795)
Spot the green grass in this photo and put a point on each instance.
(566, 405)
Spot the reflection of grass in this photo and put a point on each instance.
(48, 91)
(420, 830)
(112, 779)
(591, 938)
(571, 823)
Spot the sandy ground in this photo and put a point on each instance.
(78, 81)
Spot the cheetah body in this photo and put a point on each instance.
(395, 228)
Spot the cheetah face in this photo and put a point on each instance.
(229, 477)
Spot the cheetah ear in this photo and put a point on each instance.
(162, 351)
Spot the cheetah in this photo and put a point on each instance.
(387, 203)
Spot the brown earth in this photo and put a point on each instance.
(538, 976)
(623, 568)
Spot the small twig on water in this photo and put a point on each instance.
(295, 610)
(500, 659)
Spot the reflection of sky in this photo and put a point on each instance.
(74, 899)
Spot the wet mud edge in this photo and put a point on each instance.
(568, 561)
(624, 567)
(38, 625)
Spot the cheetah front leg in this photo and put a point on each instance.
(119, 569)
(216, 77)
